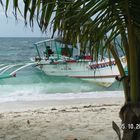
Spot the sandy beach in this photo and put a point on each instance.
(83, 119)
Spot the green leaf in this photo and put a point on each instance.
(32, 12)
(7, 4)
(26, 9)
(1, 2)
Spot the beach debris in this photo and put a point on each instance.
(74, 107)
(41, 112)
(102, 109)
(17, 116)
(53, 108)
(63, 110)
(28, 122)
(70, 138)
(87, 106)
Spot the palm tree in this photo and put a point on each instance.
(93, 21)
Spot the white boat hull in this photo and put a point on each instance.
(104, 75)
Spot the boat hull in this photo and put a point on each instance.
(104, 74)
(78, 65)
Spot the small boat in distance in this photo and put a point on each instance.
(58, 59)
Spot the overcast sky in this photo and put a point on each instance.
(11, 28)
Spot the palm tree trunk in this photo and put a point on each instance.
(125, 80)
(130, 112)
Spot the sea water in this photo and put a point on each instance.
(32, 84)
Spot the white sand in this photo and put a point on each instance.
(83, 119)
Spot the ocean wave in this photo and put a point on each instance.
(29, 96)
(51, 90)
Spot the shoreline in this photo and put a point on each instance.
(58, 97)
(25, 105)
(82, 119)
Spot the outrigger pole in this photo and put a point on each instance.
(13, 73)
(7, 76)
(24, 66)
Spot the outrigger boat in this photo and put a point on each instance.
(54, 60)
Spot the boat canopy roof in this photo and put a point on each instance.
(44, 41)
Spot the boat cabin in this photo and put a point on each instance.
(53, 49)
(57, 52)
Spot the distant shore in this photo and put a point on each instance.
(81, 119)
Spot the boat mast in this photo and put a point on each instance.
(37, 50)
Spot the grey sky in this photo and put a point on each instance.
(11, 28)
